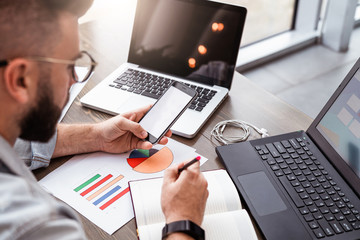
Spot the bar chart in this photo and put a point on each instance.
(105, 190)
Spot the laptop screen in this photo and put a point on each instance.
(192, 39)
(340, 125)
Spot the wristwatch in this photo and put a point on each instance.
(184, 226)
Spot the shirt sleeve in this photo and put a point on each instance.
(35, 154)
(28, 213)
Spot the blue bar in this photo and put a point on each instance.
(106, 195)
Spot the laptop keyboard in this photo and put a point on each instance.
(320, 201)
(153, 86)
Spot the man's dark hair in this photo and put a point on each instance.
(30, 27)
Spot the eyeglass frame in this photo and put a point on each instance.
(4, 63)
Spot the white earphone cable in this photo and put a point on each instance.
(219, 129)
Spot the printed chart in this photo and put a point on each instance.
(97, 188)
(96, 184)
(150, 161)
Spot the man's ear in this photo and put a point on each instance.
(18, 79)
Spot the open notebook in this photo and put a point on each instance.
(223, 206)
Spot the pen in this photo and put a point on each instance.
(189, 164)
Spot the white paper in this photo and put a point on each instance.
(63, 181)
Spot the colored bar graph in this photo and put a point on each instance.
(101, 190)
(96, 185)
(106, 195)
(87, 182)
(114, 198)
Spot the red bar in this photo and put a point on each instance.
(114, 198)
(96, 185)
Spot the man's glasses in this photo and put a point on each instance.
(82, 67)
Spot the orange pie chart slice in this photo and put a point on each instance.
(157, 162)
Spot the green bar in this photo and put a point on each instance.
(87, 182)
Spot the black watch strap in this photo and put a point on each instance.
(186, 227)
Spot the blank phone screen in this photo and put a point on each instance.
(165, 110)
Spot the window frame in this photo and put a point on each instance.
(305, 31)
(357, 20)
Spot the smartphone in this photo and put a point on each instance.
(166, 110)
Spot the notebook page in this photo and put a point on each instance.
(146, 196)
(223, 195)
(234, 225)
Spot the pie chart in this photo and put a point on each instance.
(150, 161)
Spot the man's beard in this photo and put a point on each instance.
(40, 122)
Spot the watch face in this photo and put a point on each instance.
(184, 226)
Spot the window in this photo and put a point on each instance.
(266, 18)
(272, 28)
(297, 22)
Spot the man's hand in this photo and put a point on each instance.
(184, 196)
(116, 135)
(122, 133)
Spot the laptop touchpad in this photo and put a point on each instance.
(262, 193)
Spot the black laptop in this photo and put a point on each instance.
(305, 185)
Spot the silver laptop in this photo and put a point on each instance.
(195, 42)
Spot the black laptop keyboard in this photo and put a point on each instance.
(320, 201)
(153, 86)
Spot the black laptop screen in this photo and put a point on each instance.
(340, 126)
(193, 39)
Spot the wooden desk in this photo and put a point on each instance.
(246, 102)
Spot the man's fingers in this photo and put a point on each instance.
(195, 166)
(181, 165)
(191, 171)
(134, 127)
(171, 174)
(132, 117)
(163, 141)
(143, 145)
(168, 133)
(139, 113)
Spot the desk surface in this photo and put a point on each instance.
(246, 102)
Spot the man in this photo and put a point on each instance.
(38, 51)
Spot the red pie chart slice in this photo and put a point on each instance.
(133, 162)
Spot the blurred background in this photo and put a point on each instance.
(299, 50)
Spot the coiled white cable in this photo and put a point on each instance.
(219, 129)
